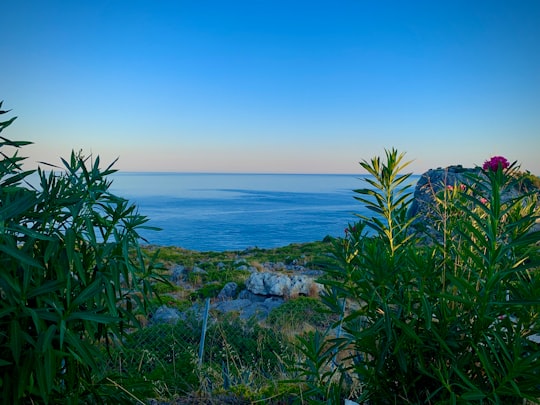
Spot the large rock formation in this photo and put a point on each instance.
(434, 181)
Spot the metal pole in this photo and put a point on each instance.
(203, 332)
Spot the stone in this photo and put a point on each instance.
(237, 305)
(164, 314)
(272, 303)
(432, 182)
(248, 309)
(246, 294)
(228, 291)
(281, 285)
(198, 270)
(178, 274)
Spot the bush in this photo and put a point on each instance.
(296, 313)
(72, 275)
(446, 321)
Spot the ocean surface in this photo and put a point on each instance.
(221, 212)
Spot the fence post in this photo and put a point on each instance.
(203, 332)
(338, 332)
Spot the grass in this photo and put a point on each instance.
(224, 267)
(314, 255)
(243, 360)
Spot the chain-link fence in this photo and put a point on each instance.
(206, 350)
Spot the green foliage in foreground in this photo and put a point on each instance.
(449, 321)
(71, 275)
(239, 356)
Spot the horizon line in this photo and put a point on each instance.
(244, 173)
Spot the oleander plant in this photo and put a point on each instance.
(451, 316)
(71, 276)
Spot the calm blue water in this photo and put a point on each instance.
(236, 211)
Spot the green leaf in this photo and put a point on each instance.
(92, 317)
(20, 256)
(48, 287)
(88, 293)
(15, 340)
(4, 363)
(82, 350)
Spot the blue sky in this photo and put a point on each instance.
(273, 86)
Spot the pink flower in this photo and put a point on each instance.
(449, 187)
(495, 162)
(483, 200)
(463, 187)
(350, 229)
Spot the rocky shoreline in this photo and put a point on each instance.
(269, 284)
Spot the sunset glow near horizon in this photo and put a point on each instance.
(273, 86)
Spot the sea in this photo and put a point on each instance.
(221, 212)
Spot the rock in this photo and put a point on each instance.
(261, 310)
(237, 305)
(228, 291)
(178, 274)
(281, 285)
(273, 302)
(248, 308)
(246, 294)
(198, 270)
(432, 182)
(164, 314)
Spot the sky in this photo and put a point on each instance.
(273, 86)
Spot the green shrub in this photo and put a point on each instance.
(165, 287)
(210, 290)
(296, 313)
(72, 273)
(448, 321)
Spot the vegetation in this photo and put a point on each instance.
(450, 316)
(300, 315)
(450, 321)
(313, 254)
(220, 268)
(241, 358)
(72, 276)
